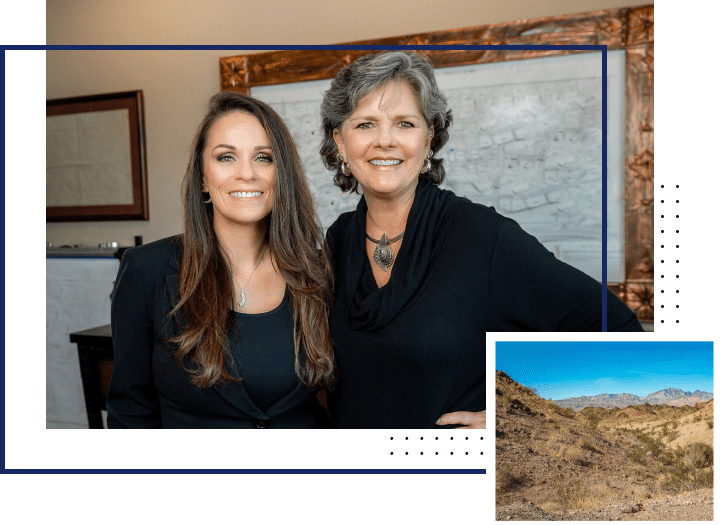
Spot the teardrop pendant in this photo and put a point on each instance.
(383, 254)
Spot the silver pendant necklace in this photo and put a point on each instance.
(383, 254)
(242, 302)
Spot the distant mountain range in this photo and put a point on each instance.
(668, 396)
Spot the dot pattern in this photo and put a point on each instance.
(668, 249)
(438, 446)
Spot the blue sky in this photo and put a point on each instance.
(571, 369)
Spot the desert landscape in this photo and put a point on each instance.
(638, 463)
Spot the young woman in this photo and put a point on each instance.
(226, 326)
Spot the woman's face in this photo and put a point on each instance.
(238, 170)
(385, 141)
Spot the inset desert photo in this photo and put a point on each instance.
(606, 431)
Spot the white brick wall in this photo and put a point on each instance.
(77, 298)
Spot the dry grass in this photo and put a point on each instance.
(573, 454)
(507, 479)
(574, 495)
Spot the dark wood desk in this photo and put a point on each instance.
(95, 353)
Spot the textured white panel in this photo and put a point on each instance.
(77, 298)
(64, 400)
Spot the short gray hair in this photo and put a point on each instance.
(357, 80)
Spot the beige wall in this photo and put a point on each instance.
(177, 84)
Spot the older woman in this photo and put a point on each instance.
(421, 274)
(226, 326)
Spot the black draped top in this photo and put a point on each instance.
(415, 349)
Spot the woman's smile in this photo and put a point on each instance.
(383, 162)
(246, 194)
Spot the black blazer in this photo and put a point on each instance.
(148, 388)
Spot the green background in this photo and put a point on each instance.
(117, 498)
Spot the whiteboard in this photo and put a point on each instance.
(526, 139)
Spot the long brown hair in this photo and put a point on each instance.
(296, 244)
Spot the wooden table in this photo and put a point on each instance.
(95, 353)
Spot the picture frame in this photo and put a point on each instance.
(96, 158)
(630, 29)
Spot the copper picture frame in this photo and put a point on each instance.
(90, 142)
(630, 29)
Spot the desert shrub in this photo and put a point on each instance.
(652, 444)
(593, 422)
(666, 458)
(506, 402)
(697, 419)
(573, 454)
(689, 469)
(699, 455)
(586, 445)
(529, 390)
(710, 424)
(563, 411)
(574, 496)
(506, 479)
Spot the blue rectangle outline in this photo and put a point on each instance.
(602, 48)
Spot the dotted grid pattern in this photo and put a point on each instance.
(443, 446)
(669, 233)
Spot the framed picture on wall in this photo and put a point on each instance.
(95, 165)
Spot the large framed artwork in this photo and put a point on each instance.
(527, 133)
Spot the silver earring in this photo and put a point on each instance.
(427, 161)
(344, 166)
(209, 198)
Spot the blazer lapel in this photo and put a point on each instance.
(236, 395)
(290, 400)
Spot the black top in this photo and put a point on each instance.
(149, 389)
(263, 352)
(415, 349)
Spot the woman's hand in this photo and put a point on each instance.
(468, 419)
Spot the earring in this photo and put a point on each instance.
(344, 166)
(427, 161)
(209, 197)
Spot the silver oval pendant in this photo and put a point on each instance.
(383, 254)
(242, 302)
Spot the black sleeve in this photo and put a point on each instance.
(532, 290)
(132, 400)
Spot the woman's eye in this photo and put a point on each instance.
(364, 125)
(225, 157)
(264, 157)
(405, 124)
